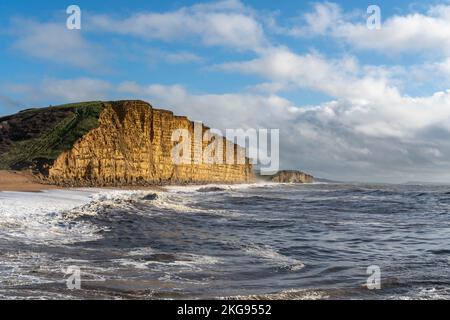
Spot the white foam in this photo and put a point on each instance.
(110, 199)
(270, 254)
(141, 251)
(430, 293)
(292, 294)
(184, 262)
(185, 203)
(48, 216)
(175, 203)
(241, 186)
(37, 217)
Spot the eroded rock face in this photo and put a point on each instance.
(292, 177)
(132, 146)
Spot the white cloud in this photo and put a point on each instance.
(341, 139)
(368, 130)
(60, 90)
(339, 78)
(225, 23)
(324, 17)
(7, 104)
(173, 57)
(400, 34)
(219, 110)
(183, 57)
(55, 43)
(406, 139)
(410, 33)
(444, 67)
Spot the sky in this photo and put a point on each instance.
(352, 103)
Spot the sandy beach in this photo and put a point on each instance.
(25, 182)
(21, 181)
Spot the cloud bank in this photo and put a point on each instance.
(367, 129)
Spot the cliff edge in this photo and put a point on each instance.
(115, 143)
(292, 176)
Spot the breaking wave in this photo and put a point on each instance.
(260, 241)
(38, 218)
(274, 257)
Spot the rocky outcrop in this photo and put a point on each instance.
(129, 143)
(292, 176)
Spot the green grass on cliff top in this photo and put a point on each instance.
(54, 138)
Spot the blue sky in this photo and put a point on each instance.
(351, 103)
(130, 62)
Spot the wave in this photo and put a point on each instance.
(140, 202)
(222, 187)
(37, 218)
(268, 253)
(170, 265)
(104, 202)
(177, 203)
(211, 189)
(431, 293)
(292, 294)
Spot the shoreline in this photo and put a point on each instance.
(20, 181)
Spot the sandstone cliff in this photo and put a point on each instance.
(107, 144)
(292, 177)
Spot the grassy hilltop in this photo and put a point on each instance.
(35, 137)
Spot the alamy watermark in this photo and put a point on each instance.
(374, 19)
(74, 280)
(236, 147)
(374, 279)
(73, 22)
(74, 277)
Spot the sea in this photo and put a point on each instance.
(253, 241)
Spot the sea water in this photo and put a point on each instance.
(260, 241)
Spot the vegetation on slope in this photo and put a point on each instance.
(35, 137)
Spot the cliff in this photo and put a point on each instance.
(107, 144)
(292, 177)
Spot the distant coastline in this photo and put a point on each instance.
(26, 181)
(118, 144)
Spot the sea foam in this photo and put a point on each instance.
(37, 217)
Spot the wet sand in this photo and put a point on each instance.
(21, 181)
(25, 182)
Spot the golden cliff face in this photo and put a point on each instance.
(133, 146)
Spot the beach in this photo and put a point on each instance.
(21, 181)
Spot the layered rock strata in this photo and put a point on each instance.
(131, 144)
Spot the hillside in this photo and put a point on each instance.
(105, 144)
(34, 138)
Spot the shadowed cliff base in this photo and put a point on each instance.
(118, 143)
